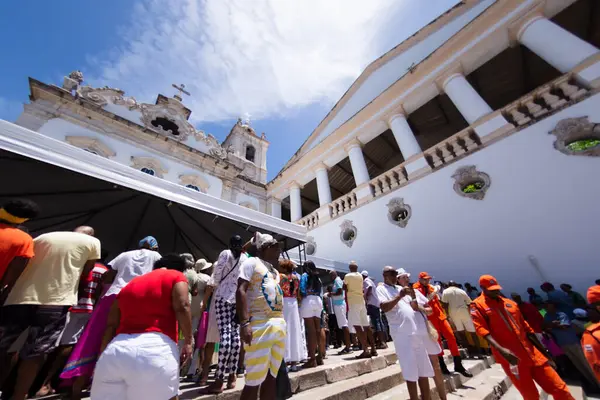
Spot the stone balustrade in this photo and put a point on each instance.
(310, 221)
(455, 146)
(543, 100)
(343, 204)
(389, 180)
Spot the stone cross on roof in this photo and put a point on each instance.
(181, 89)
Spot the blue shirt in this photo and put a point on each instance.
(565, 335)
(564, 302)
(308, 291)
(337, 285)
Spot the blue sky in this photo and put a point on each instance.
(283, 62)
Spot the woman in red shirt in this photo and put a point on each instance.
(141, 361)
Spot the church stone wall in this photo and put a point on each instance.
(537, 221)
(59, 129)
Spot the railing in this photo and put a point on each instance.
(342, 205)
(455, 146)
(310, 221)
(546, 98)
(389, 180)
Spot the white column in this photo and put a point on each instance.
(274, 207)
(357, 160)
(407, 142)
(323, 187)
(557, 46)
(295, 202)
(470, 104)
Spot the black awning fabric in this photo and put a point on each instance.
(121, 216)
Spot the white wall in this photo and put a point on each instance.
(541, 203)
(59, 129)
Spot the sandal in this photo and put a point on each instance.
(310, 364)
(363, 355)
(374, 353)
(345, 350)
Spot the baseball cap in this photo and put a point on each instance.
(148, 241)
(365, 273)
(402, 272)
(489, 282)
(424, 275)
(593, 294)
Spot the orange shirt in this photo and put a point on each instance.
(590, 342)
(434, 303)
(502, 320)
(13, 243)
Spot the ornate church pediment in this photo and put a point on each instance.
(149, 165)
(91, 144)
(194, 181)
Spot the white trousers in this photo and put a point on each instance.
(140, 366)
(293, 341)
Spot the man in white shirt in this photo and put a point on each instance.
(357, 311)
(373, 310)
(401, 307)
(429, 338)
(456, 301)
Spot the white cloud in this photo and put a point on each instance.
(262, 57)
(10, 109)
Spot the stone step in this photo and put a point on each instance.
(576, 391)
(476, 367)
(336, 369)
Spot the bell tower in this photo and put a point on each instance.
(250, 148)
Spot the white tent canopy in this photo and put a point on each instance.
(74, 187)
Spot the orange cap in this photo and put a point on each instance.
(489, 282)
(593, 294)
(424, 275)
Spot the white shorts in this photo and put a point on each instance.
(357, 315)
(140, 366)
(74, 327)
(412, 356)
(340, 316)
(462, 320)
(312, 307)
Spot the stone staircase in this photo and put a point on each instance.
(380, 378)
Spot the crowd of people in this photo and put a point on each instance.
(135, 326)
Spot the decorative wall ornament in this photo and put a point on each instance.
(91, 144)
(468, 182)
(348, 233)
(129, 102)
(577, 136)
(72, 81)
(311, 245)
(398, 212)
(195, 180)
(99, 96)
(150, 163)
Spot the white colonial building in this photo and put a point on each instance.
(470, 148)
(155, 138)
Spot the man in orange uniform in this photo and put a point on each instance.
(590, 341)
(440, 322)
(514, 345)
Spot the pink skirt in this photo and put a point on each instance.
(87, 350)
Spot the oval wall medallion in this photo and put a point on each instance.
(470, 183)
(398, 212)
(311, 246)
(577, 137)
(348, 233)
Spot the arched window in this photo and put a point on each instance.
(148, 171)
(250, 153)
(193, 187)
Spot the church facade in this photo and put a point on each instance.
(473, 147)
(155, 138)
